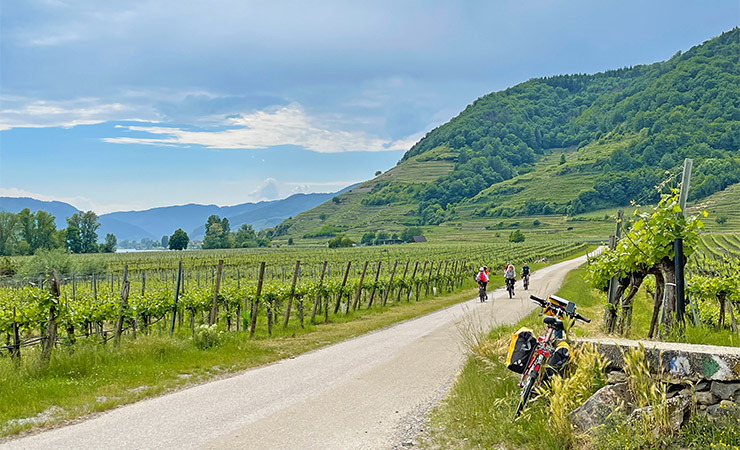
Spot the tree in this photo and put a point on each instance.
(322, 217)
(516, 236)
(341, 241)
(179, 240)
(110, 244)
(8, 233)
(73, 240)
(86, 225)
(377, 172)
(409, 232)
(290, 241)
(165, 241)
(367, 238)
(562, 159)
(213, 237)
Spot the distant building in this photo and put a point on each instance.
(418, 239)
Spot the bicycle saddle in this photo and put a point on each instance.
(554, 322)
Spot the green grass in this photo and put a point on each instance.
(92, 377)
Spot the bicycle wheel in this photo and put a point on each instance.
(510, 288)
(526, 391)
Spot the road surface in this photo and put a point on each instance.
(358, 394)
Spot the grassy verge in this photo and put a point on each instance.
(91, 377)
(478, 412)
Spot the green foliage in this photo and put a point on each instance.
(45, 260)
(205, 336)
(368, 238)
(721, 220)
(409, 232)
(516, 236)
(326, 230)
(26, 232)
(110, 244)
(649, 240)
(179, 240)
(82, 236)
(341, 241)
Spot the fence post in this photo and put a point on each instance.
(292, 292)
(403, 278)
(341, 289)
(177, 294)
(390, 284)
(256, 302)
(122, 307)
(317, 299)
(375, 285)
(214, 304)
(411, 284)
(16, 353)
(359, 288)
(51, 325)
(429, 279)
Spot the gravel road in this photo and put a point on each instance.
(370, 392)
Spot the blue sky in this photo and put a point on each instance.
(130, 105)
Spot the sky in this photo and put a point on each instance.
(115, 106)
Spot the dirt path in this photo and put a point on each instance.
(365, 393)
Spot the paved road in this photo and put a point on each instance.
(358, 394)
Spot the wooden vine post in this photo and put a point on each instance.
(341, 289)
(122, 307)
(292, 294)
(15, 353)
(256, 301)
(51, 325)
(177, 294)
(375, 285)
(429, 279)
(214, 304)
(359, 288)
(411, 284)
(317, 298)
(390, 284)
(403, 278)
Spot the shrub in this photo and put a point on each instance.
(207, 336)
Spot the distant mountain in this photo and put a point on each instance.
(157, 222)
(269, 214)
(59, 210)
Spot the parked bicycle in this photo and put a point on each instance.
(528, 355)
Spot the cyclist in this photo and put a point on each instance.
(510, 276)
(482, 278)
(525, 275)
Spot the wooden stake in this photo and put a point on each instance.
(359, 288)
(292, 293)
(214, 304)
(317, 299)
(256, 301)
(341, 289)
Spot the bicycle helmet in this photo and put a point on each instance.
(481, 269)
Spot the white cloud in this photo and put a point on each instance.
(268, 190)
(288, 125)
(21, 112)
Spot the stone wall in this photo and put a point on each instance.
(700, 378)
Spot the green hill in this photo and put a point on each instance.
(561, 145)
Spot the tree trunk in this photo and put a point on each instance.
(657, 301)
(610, 313)
(625, 319)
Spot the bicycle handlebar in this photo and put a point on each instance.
(558, 310)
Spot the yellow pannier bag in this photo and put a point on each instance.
(522, 344)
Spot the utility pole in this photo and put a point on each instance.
(678, 242)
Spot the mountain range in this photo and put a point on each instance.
(157, 222)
